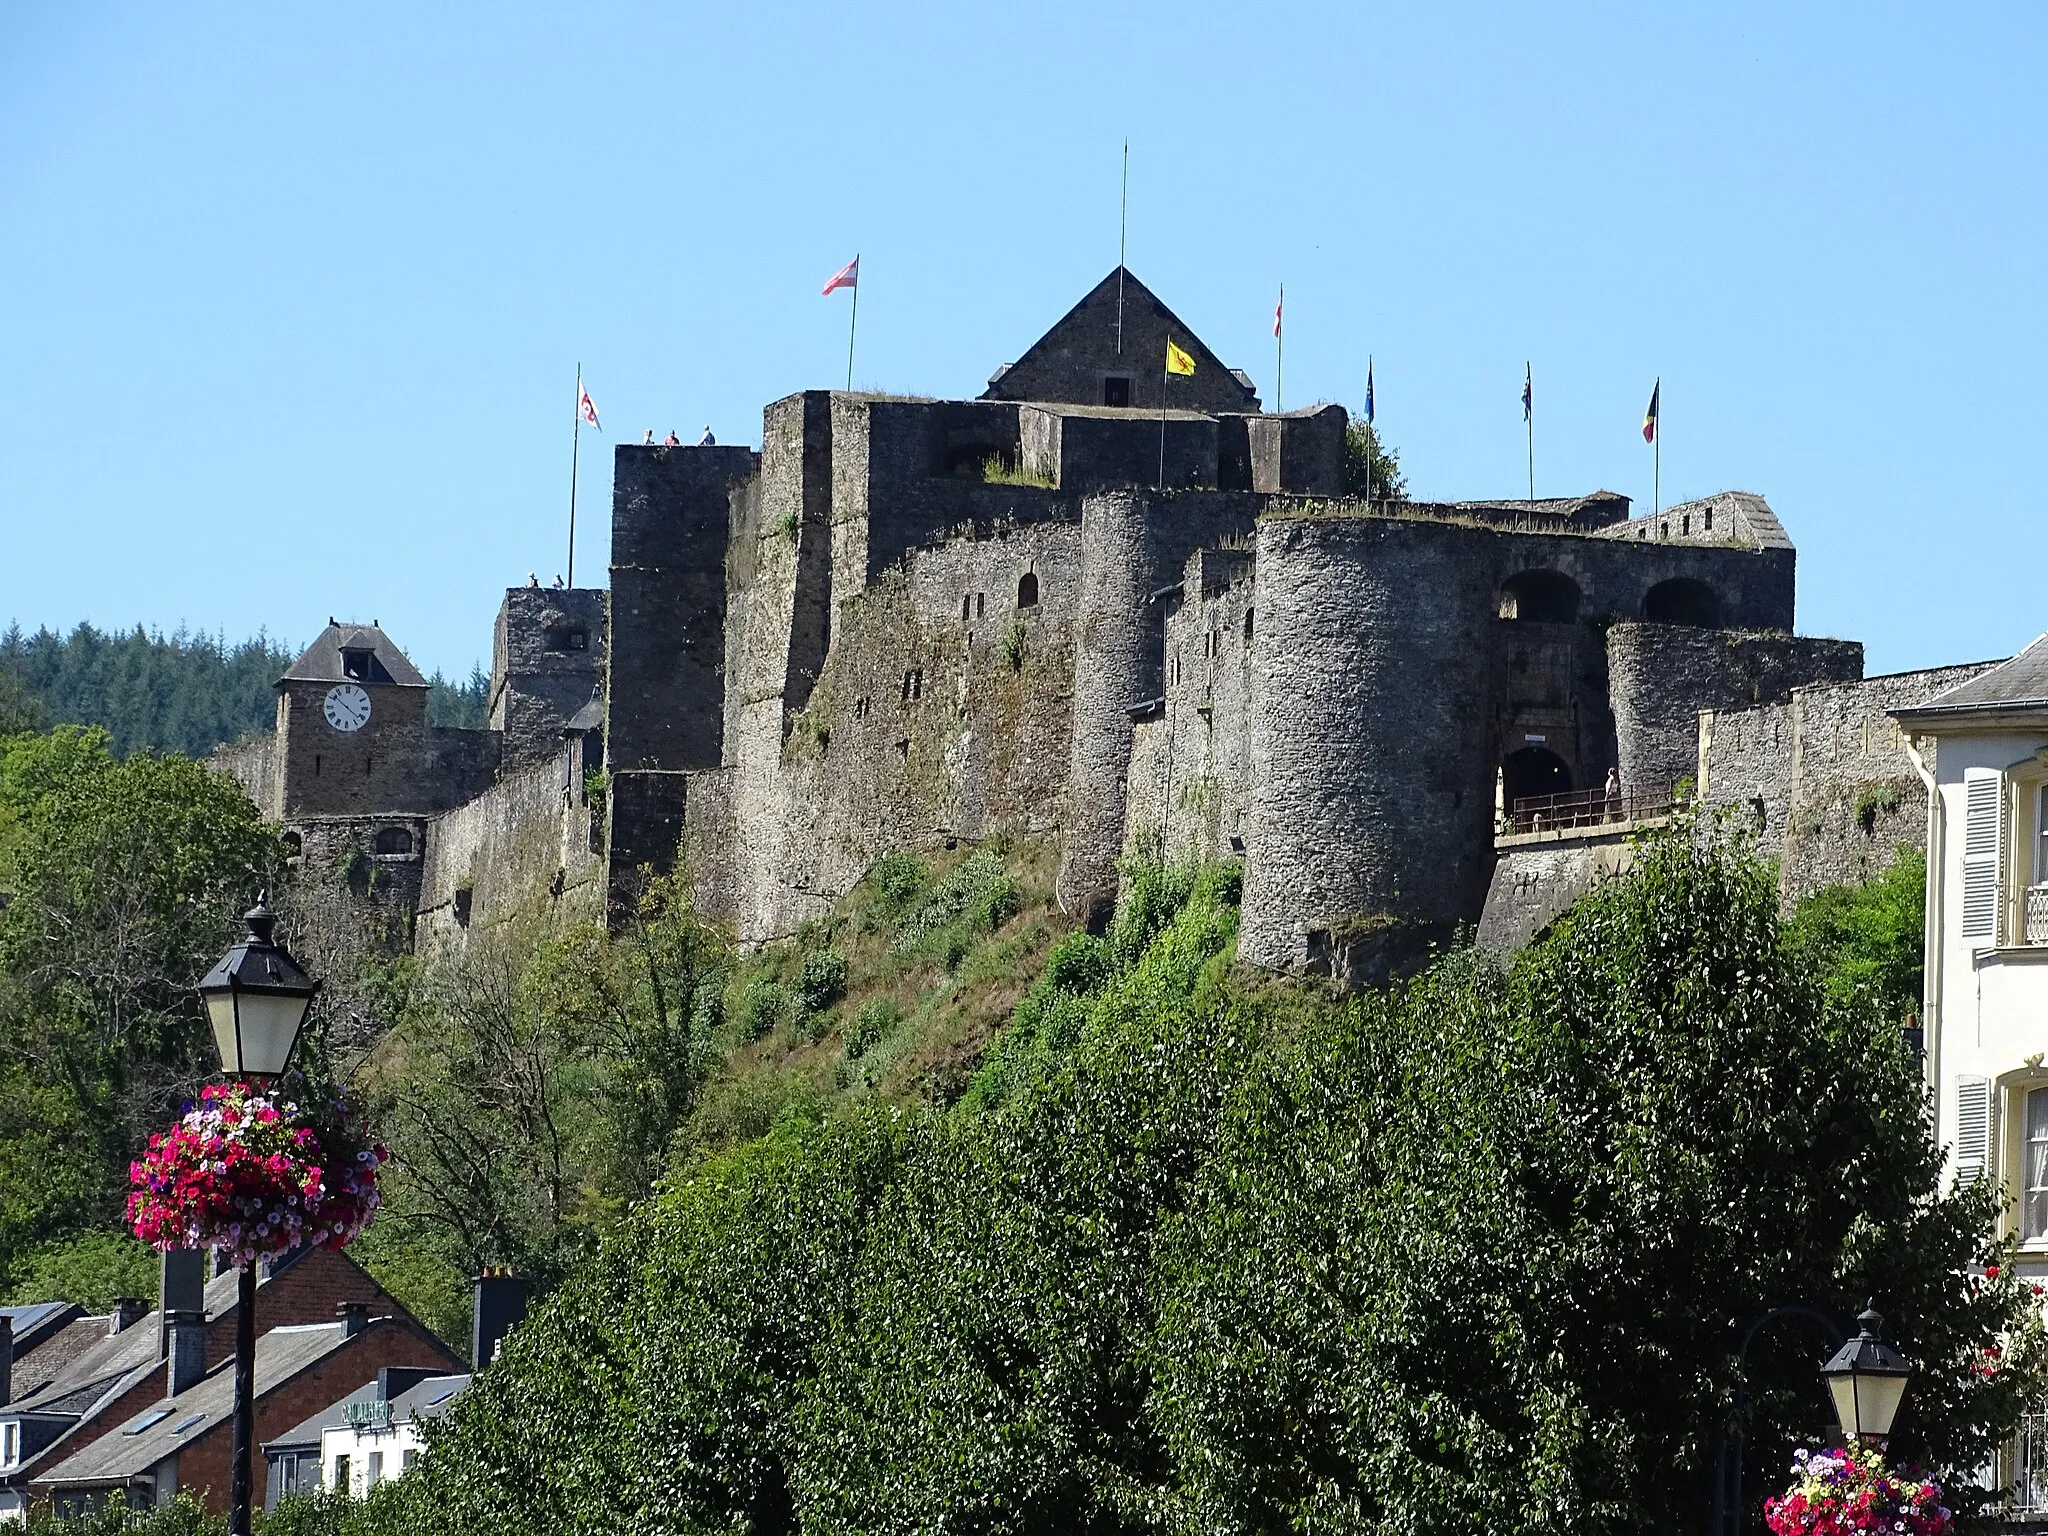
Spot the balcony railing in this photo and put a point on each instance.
(2034, 915)
(1587, 808)
(2029, 1495)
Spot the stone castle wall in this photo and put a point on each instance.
(1824, 778)
(547, 663)
(523, 848)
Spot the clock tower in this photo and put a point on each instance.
(352, 733)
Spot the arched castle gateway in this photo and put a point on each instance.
(1058, 611)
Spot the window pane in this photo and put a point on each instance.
(2034, 1167)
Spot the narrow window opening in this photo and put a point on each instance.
(1684, 524)
(1027, 590)
(966, 605)
(576, 639)
(1248, 625)
(1116, 392)
(316, 765)
(1710, 520)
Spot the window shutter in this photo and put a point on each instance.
(1973, 1128)
(1980, 854)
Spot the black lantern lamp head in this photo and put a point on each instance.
(1867, 1379)
(256, 1000)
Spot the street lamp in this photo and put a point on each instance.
(256, 1000)
(1867, 1378)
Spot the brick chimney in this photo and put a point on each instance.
(6, 1358)
(128, 1311)
(187, 1351)
(500, 1302)
(355, 1317)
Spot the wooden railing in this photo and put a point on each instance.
(1587, 808)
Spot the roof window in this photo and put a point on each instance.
(147, 1421)
(184, 1424)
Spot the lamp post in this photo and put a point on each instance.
(1865, 1376)
(256, 1000)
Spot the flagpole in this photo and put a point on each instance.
(1371, 431)
(575, 448)
(1279, 341)
(1123, 226)
(1529, 384)
(1165, 373)
(852, 321)
(1657, 455)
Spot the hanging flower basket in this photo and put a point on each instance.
(1842, 1492)
(256, 1175)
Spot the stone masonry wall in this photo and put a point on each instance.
(547, 662)
(1189, 764)
(522, 848)
(1828, 773)
(253, 764)
(943, 712)
(1660, 676)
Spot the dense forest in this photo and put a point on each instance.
(173, 693)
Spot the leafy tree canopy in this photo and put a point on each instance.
(124, 878)
(1370, 464)
(1222, 1253)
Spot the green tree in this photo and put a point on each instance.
(1867, 940)
(1470, 1254)
(125, 878)
(1369, 462)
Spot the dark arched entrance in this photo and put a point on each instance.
(1533, 774)
(1683, 601)
(1540, 597)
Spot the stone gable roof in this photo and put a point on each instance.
(2012, 687)
(1066, 365)
(321, 661)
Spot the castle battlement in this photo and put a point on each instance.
(1097, 608)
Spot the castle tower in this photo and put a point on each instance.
(351, 727)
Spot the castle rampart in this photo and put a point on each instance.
(1090, 608)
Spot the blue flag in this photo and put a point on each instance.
(1368, 388)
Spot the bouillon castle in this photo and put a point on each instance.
(1103, 610)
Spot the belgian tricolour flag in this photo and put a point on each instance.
(1650, 416)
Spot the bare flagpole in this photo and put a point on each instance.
(1123, 226)
(1529, 417)
(575, 448)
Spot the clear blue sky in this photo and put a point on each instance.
(291, 297)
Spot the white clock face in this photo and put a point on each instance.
(347, 707)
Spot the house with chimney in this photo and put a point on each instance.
(71, 1378)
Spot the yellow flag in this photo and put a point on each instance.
(1178, 361)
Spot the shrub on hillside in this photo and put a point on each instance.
(899, 880)
(820, 980)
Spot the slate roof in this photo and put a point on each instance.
(320, 662)
(428, 1399)
(171, 1423)
(2015, 686)
(101, 1371)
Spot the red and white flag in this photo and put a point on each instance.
(1276, 311)
(585, 406)
(847, 276)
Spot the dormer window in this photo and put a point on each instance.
(356, 664)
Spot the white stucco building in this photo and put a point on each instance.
(1982, 748)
